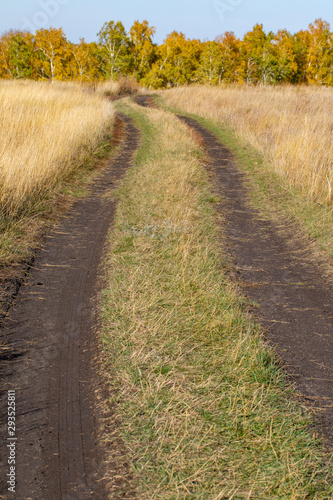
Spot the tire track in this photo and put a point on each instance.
(293, 295)
(53, 325)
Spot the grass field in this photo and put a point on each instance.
(47, 133)
(205, 410)
(290, 126)
(115, 88)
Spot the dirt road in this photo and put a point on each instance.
(52, 363)
(53, 357)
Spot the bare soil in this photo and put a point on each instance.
(52, 359)
(293, 296)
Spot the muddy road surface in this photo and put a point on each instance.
(53, 356)
(293, 295)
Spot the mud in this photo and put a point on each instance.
(52, 357)
(293, 297)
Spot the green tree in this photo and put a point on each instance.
(17, 55)
(260, 56)
(114, 49)
(287, 57)
(302, 44)
(21, 55)
(211, 65)
(178, 60)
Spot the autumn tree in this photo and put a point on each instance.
(232, 63)
(210, 64)
(84, 63)
(178, 60)
(302, 44)
(54, 52)
(260, 55)
(5, 66)
(260, 58)
(320, 54)
(114, 49)
(156, 78)
(143, 49)
(290, 54)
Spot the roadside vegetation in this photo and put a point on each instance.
(290, 126)
(204, 407)
(48, 135)
(117, 88)
(281, 136)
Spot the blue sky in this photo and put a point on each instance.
(202, 19)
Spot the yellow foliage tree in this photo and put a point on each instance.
(320, 53)
(84, 63)
(232, 64)
(143, 48)
(178, 60)
(5, 69)
(54, 53)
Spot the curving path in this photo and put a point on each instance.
(51, 331)
(293, 295)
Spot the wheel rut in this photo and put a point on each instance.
(52, 329)
(293, 296)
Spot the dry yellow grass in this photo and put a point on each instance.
(45, 132)
(114, 88)
(291, 127)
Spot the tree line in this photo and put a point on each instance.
(259, 58)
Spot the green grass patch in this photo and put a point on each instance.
(205, 410)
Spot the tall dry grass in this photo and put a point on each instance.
(46, 131)
(115, 88)
(292, 128)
